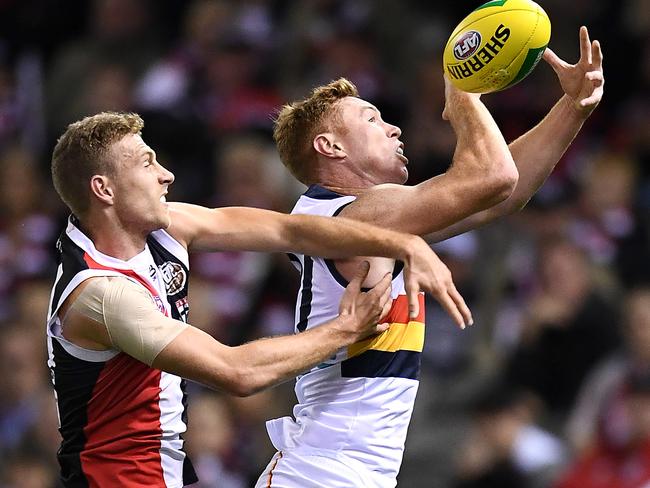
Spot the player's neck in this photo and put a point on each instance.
(344, 182)
(112, 239)
(344, 190)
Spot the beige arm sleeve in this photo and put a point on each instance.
(133, 321)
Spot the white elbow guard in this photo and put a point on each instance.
(133, 321)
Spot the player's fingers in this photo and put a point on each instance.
(461, 305)
(359, 277)
(450, 307)
(413, 292)
(585, 45)
(387, 304)
(385, 298)
(381, 288)
(594, 98)
(385, 301)
(554, 60)
(354, 287)
(595, 76)
(382, 328)
(597, 55)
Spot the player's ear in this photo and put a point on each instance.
(326, 145)
(101, 188)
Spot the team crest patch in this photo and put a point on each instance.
(174, 277)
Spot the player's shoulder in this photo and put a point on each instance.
(377, 198)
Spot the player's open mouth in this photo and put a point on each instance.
(400, 152)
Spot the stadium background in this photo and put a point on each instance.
(549, 286)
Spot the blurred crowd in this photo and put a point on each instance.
(550, 388)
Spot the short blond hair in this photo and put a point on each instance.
(80, 153)
(299, 122)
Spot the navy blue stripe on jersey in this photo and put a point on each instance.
(73, 262)
(340, 209)
(382, 364)
(74, 381)
(293, 258)
(320, 193)
(397, 269)
(306, 294)
(335, 272)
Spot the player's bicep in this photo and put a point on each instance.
(134, 323)
(227, 228)
(421, 209)
(408, 209)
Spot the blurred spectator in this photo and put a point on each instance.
(570, 325)
(625, 464)
(28, 470)
(247, 175)
(211, 439)
(22, 389)
(27, 229)
(599, 415)
(121, 33)
(506, 449)
(606, 223)
(447, 349)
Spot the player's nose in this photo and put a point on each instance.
(394, 131)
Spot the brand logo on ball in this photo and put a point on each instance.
(174, 277)
(477, 59)
(467, 45)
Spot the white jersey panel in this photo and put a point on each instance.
(358, 403)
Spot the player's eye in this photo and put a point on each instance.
(372, 119)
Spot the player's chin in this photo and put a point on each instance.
(166, 221)
(404, 175)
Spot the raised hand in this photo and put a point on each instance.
(366, 308)
(424, 271)
(455, 98)
(583, 82)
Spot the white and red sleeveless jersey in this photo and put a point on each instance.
(359, 402)
(121, 420)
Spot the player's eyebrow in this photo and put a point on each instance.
(147, 151)
(370, 107)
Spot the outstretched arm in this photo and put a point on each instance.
(249, 368)
(116, 313)
(251, 229)
(482, 174)
(538, 151)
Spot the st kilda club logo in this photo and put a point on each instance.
(467, 45)
(174, 277)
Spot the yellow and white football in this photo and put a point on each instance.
(497, 45)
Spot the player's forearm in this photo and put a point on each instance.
(538, 151)
(482, 158)
(252, 229)
(267, 362)
(248, 368)
(343, 238)
(536, 154)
